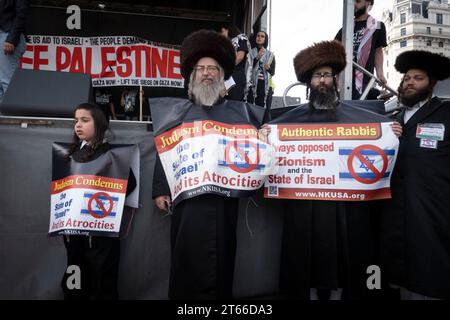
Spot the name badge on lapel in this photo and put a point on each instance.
(428, 143)
(430, 131)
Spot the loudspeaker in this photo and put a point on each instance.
(39, 93)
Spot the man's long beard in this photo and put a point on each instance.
(415, 98)
(205, 94)
(323, 99)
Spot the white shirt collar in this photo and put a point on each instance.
(83, 143)
(409, 112)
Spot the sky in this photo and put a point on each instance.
(297, 24)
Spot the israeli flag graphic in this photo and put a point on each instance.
(240, 154)
(366, 165)
(95, 206)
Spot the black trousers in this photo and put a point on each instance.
(203, 240)
(261, 99)
(98, 260)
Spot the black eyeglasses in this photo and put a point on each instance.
(326, 75)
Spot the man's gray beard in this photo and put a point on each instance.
(415, 98)
(323, 100)
(206, 94)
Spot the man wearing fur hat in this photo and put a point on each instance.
(327, 245)
(203, 227)
(416, 223)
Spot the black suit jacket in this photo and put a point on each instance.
(416, 223)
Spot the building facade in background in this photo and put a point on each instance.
(415, 25)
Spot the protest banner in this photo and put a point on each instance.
(333, 161)
(88, 198)
(111, 61)
(210, 151)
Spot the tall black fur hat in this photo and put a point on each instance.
(436, 65)
(206, 43)
(325, 53)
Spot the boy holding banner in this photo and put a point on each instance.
(90, 181)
